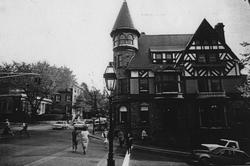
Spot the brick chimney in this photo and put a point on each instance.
(219, 28)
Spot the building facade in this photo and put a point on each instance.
(181, 88)
(64, 100)
(16, 107)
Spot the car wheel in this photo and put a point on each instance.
(204, 161)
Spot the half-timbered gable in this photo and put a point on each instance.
(208, 55)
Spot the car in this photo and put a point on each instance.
(223, 143)
(60, 125)
(101, 120)
(88, 121)
(220, 156)
(79, 125)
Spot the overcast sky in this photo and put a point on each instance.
(75, 33)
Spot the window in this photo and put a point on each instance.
(123, 86)
(122, 39)
(162, 57)
(169, 57)
(144, 115)
(209, 85)
(201, 58)
(203, 85)
(68, 98)
(120, 64)
(212, 58)
(116, 41)
(58, 98)
(216, 85)
(143, 81)
(212, 115)
(130, 39)
(143, 85)
(67, 109)
(123, 114)
(166, 82)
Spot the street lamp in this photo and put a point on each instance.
(110, 80)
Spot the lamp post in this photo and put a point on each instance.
(110, 80)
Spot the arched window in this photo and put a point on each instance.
(122, 39)
(130, 39)
(123, 114)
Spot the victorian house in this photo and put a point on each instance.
(181, 88)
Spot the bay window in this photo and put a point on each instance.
(166, 82)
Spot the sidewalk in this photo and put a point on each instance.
(179, 153)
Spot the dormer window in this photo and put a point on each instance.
(162, 57)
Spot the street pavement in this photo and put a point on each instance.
(47, 147)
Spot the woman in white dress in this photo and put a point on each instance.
(84, 137)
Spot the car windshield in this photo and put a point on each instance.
(222, 142)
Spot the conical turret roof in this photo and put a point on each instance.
(124, 20)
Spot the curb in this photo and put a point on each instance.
(172, 152)
(96, 137)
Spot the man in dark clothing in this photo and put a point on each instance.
(121, 138)
(25, 129)
(129, 142)
(74, 139)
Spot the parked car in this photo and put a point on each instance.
(60, 125)
(79, 125)
(88, 121)
(223, 143)
(220, 156)
(101, 120)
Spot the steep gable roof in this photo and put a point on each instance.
(172, 42)
(207, 32)
(123, 20)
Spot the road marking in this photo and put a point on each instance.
(103, 161)
(126, 159)
(45, 159)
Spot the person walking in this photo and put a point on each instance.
(144, 135)
(84, 136)
(74, 140)
(105, 136)
(129, 142)
(24, 129)
(121, 138)
(7, 130)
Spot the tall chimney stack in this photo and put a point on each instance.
(219, 28)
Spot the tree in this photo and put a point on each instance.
(44, 81)
(245, 88)
(91, 100)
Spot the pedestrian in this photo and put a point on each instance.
(7, 130)
(84, 136)
(74, 140)
(24, 129)
(144, 135)
(121, 138)
(129, 142)
(105, 136)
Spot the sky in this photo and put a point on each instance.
(76, 33)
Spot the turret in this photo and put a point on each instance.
(124, 33)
